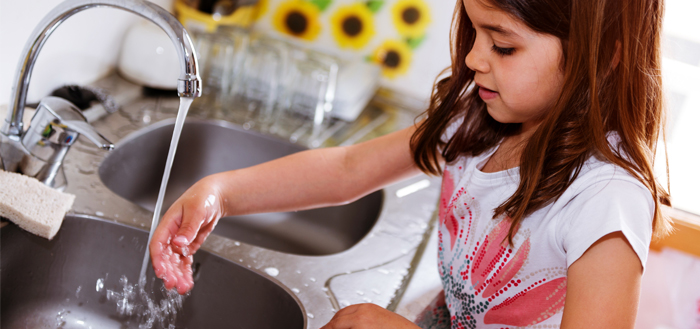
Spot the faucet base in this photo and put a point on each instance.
(11, 152)
(50, 174)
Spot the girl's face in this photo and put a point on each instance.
(517, 70)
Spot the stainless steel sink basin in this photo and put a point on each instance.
(50, 284)
(134, 170)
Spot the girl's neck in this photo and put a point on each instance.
(508, 154)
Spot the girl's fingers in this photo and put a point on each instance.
(186, 282)
(203, 234)
(160, 241)
(164, 232)
(192, 219)
(159, 265)
(337, 320)
(169, 277)
(367, 316)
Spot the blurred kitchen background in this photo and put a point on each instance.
(306, 69)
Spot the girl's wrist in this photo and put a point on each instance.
(215, 185)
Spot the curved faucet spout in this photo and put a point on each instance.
(189, 83)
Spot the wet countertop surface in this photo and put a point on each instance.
(378, 269)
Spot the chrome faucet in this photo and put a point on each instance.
(12, 131)
(55, 126)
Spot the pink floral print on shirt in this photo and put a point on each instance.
(474, 280)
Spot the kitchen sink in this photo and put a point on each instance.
(50, 284)
(135, 168)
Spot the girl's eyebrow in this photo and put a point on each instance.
(499, 29)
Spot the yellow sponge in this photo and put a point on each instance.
(32, 205)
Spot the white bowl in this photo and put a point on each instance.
(148, 57)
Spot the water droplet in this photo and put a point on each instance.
(376, 292)
(312, 279)
(360, 293)
(311, 316)
(306, 284)
(298, 272)
(237, 243)
(324, 289)
(99, 213)
(77, 292)
(383, 271)
(367, 300)
(295, 290)
(271, 271)
(61, 318)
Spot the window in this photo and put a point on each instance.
(681, 74)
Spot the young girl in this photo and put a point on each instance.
(547, 124)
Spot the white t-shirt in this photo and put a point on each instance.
(488, 284)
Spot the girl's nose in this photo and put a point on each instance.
(475, 61)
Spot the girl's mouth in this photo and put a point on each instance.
(487, 94)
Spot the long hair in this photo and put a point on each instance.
(612, 82)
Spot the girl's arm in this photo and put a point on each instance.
(603, 286)
(320, 177)
(314, 178)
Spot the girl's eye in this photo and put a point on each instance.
(502, 51)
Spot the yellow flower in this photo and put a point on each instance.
(352, 25)
(411, 17)
(260, 9)
(394, 57)
(298, 18)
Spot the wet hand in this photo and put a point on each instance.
(367, 316)
(181, 232)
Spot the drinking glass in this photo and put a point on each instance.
(257, 89)
(308, 94)
(221, 58)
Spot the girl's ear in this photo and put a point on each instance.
(616, 57)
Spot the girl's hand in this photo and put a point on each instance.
(367, 316)
(182, 231)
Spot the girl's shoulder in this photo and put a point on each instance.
(603, 183)
(597, 170)
(604, 198)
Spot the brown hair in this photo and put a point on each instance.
(597, 97)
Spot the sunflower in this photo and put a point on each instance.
(352, 25)
(394, 57)
(411, 17)
(298, 18)
(260, 8)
